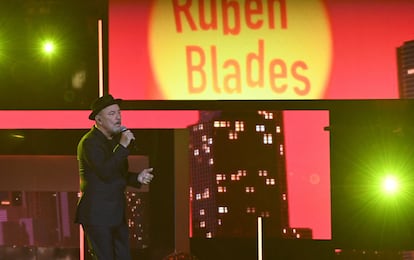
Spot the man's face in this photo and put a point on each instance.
(109, 120)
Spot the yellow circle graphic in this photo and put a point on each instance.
(251, 49)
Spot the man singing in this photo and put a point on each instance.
(103, 168)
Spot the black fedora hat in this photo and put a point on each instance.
(101, 103)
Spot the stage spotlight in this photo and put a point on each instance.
(48, 47)
(390, 185)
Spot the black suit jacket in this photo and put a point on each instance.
(104, 175)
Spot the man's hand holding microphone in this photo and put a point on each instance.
(127, 137)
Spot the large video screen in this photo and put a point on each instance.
(294, 140)
(273, 164)
(281, 49)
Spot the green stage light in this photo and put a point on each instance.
(390, 184)
(48, 47)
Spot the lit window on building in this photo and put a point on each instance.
(130, 223)
(241, 172)
(210, 141)
(202, 212)
(211, 161)
(235, 177)
(278, 129)
(260, 128)
(269, 115)
(195, 128)
(262, 173)
(220, 177)
(204, 138)
(239, 126)
(206, 193)
(267, 139)
(232, 135)
(238, 175)
(297, 235)
(202, 224)
(200, 127)
(284, 231)
(251, 210)
(221, 124)
(281, 149)
(284, 196)
(221, 189)
(207, 150)
(208, 235)
(265, 214)
(249, 189)
(219, 221)
(196, 152)
(198, 196)
(270, 181)
(266, 114)
(410, 71)
(222, 210)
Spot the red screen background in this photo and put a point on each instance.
(364, 35)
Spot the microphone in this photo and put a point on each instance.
(132, 142)
(123, 129)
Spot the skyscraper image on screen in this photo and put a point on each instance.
(237, 174)
(405, 62)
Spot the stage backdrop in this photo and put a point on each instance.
(256, 49)
(286, 49)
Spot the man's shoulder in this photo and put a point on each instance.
(92, 134)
